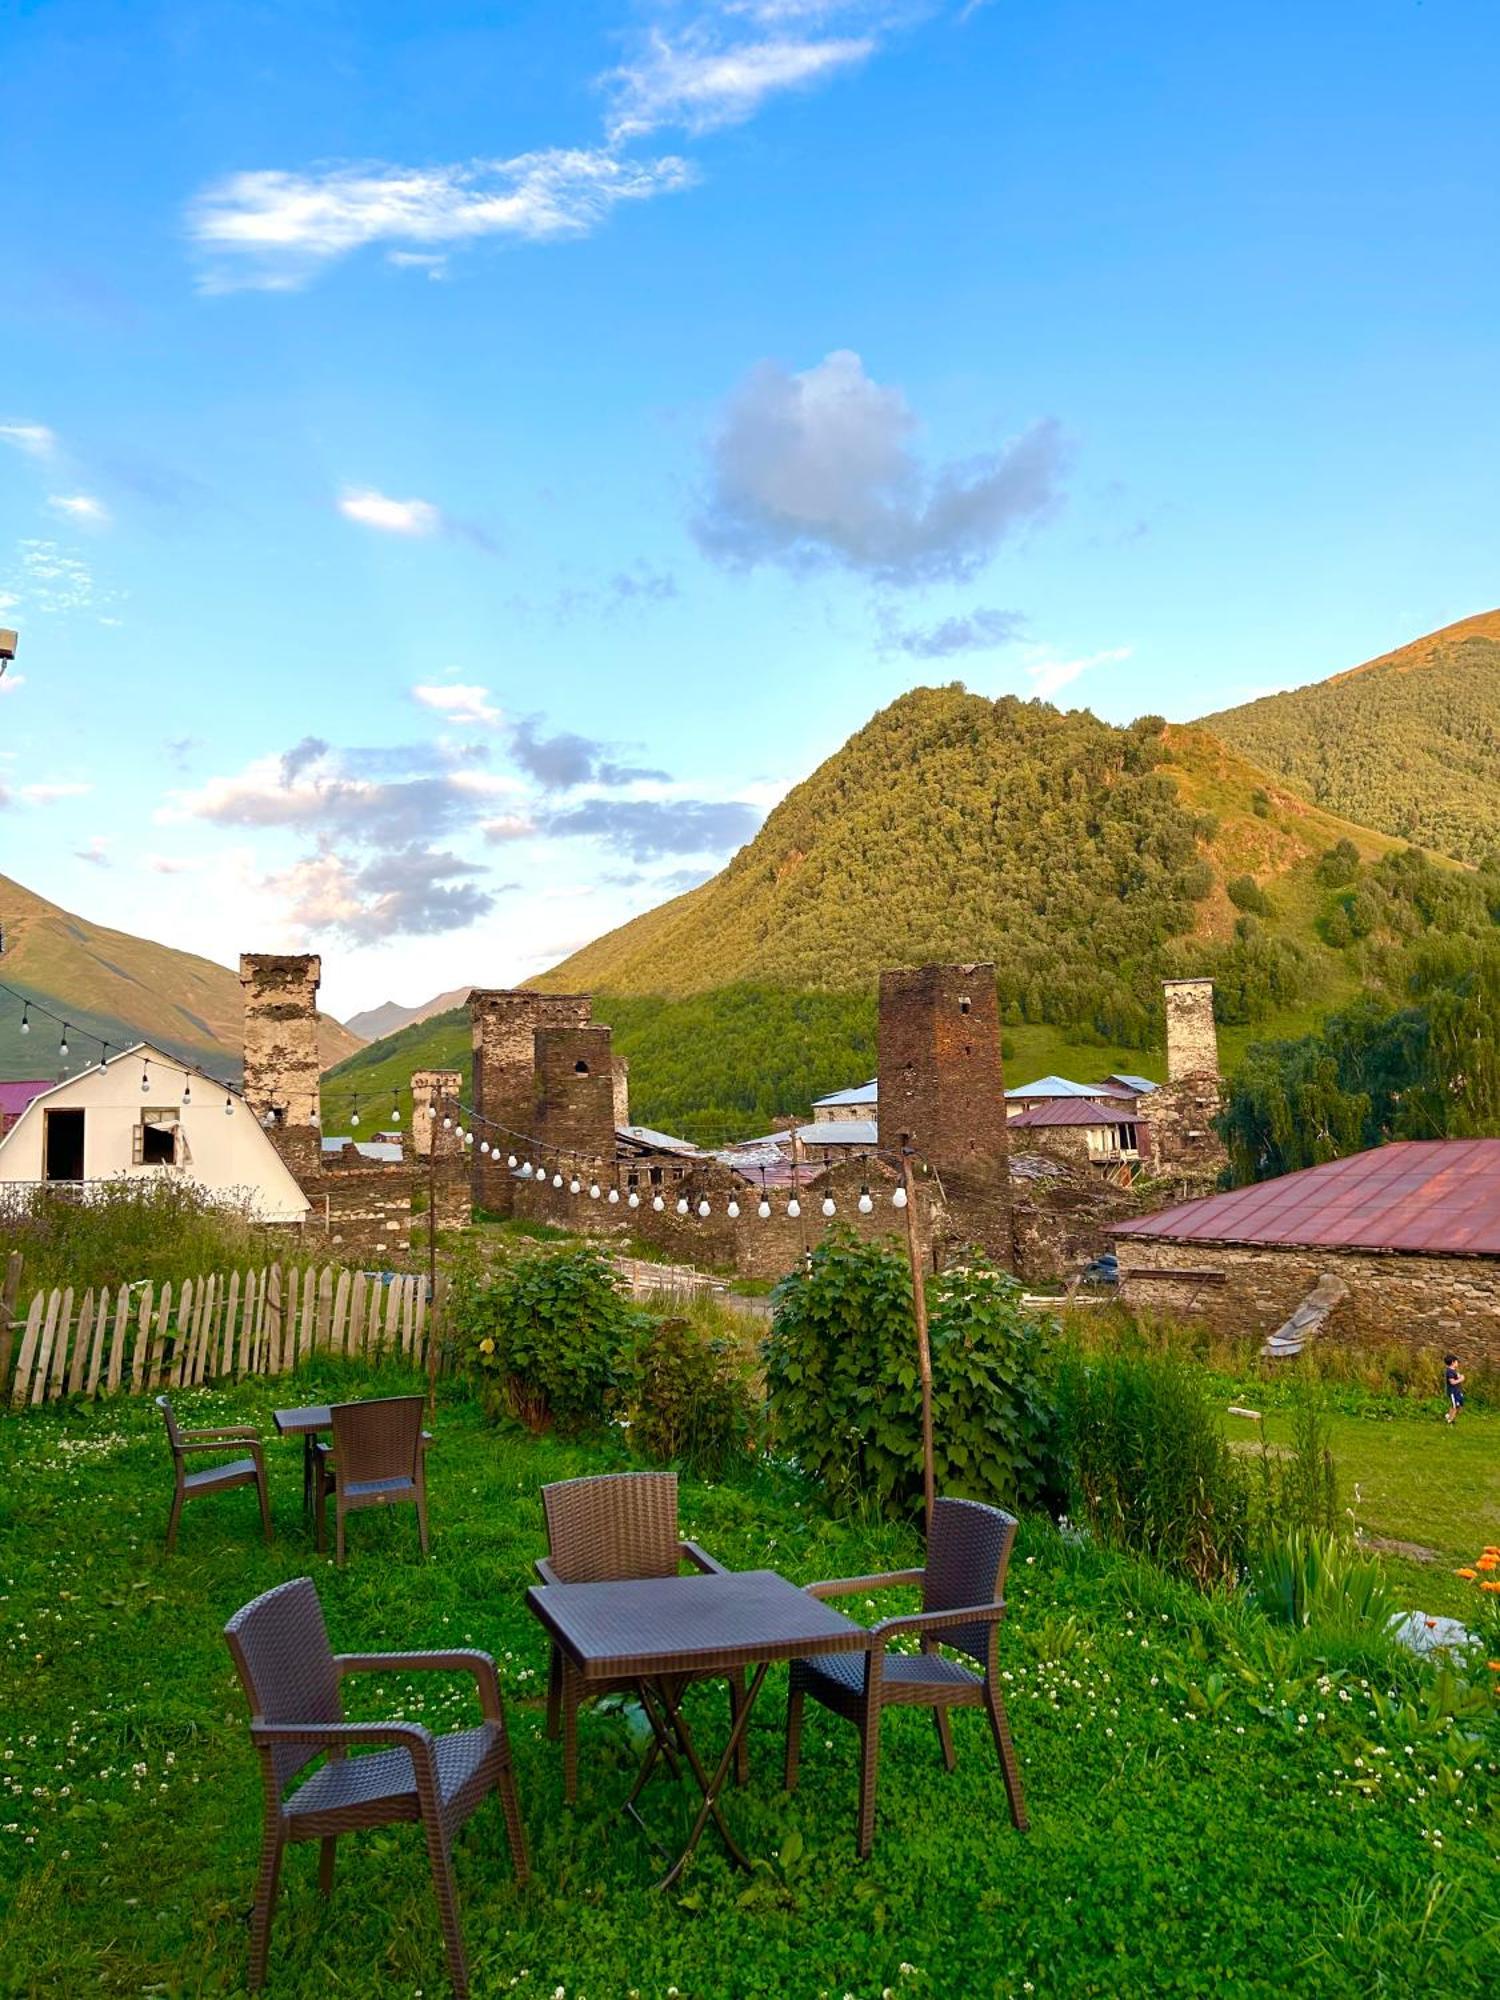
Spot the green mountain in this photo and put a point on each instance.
(112, 987)
(1409, 743)
(1088, 862)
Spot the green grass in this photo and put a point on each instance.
(1216, 1807)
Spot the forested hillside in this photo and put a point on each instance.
(1409, 743)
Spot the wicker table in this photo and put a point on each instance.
(665, 1632)
(307, 1424)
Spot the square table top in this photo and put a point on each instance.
(689, 1624)
(295, 1423)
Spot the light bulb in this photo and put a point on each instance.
(395, 1114)
(540, 1171)
(593, 1190)
(484, 1145)
(613, 1195)
(557, 1180)
(228, 1106)
(763, 1209)
(682, 1204)
(733, 1210)
(447, 1124)
(187, 1090)
(657, 1203)
(62, 1047)
(830, 1207)
(632, 1200)
(575, 1185)
(25, 1022)
(511, 1160)
(468, 1138)
(703, 1209)
(353, 1117)
(526, 1170)
(145, 1079)
(898, 1199)
(794, 1208)
(866, 1206)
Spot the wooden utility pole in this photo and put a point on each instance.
(432, 1326)
(924, 1344)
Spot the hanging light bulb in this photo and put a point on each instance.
(26, 1020)
(657, 1203)
(539, 1171)
(613, 1196)
(145, 1077)
(763, 1209)
(62, 1047)
(484, 1145)
(733, 1210)
(557, 1180)
(703, 1210)
(526, 1170)
(575, 1185)
(103, 1062)
(447, 1124)
(353, 1118)
(632, 1200)
(866, 1206)
(511, 1160)
(830, 1207)
(682, 1204)
(468, 1138)
(898, 1199)
(794, 1208)
(187, 1090)
(395, 1110)
(593, 1190)
(228, 1105)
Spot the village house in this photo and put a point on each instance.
(1107, 1137)
(139, 1115)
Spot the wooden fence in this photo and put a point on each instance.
(215, 1329)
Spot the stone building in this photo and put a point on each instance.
(503, 1024)
(282, 1066)
(1180, 1114)
(1107, 1138)
(1411, 1229)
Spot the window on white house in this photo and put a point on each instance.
(154, 1142)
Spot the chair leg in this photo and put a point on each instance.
(265, 1903)
(441, 1861)
(422, 1518)
(869, 1772)
(338, 1528)
(794, 1703)
(742, 1749)
(945, 1733)
(554, 1694)
(173, 1518)
(515, 1826)
(326, 1852)
(570, 1699)
(1000, 1726)
(320, 1512)
(265, 1502)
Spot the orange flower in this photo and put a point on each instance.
(1490, 1586)
(1494, 1666)
(1468, 1574)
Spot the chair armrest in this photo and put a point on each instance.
(461, 1660)
(413, 1737)
(937, 1621)
(544, 1569)
(846, 1586)
(251, 1444)
(229, 1433)
(701, 1559)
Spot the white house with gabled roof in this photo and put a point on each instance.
(143, 1114)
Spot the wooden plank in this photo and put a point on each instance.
(273, 1320)
(82, 1340)
(194, 1341)
(247, 1324)
(308, 1336)
(419, 1325)
(231, 1316)
(29, 1339)
(96, 1347)
(183, 1338)
(10, 1292)
(357, 1315)
(57, 1374)
(209, 1353)
(45, 1346)
(373, 1320)
(340, 1314)
(392, 1316)
(121, 1339)
(142, 1339)
(408, 1316)
(289, 1330)
(156, 1364)
(324, 1319)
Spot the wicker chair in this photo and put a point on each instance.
(609, 1528)
(247, 1471)
(378, 1458)
(292, 1682)
(962, 1605)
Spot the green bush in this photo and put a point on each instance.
(1320, 1583)
(551, 1339)
(693, 1405)
(1297, 1490)
(844, 1389)
(1146, 1466)
(1246, 894)
(133, 1228)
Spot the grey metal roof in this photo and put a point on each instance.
(1140, 1084)
(858, 1093)
(658, 1142)
(839, 1132)
(1050, 1086)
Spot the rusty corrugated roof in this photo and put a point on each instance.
(1075, 1111)
(1438, 1197)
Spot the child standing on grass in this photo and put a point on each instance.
(1453, 1381)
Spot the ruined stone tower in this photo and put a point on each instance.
(503, 1025)
(942, 1085)
(622, 1089)
(281, 1052)
(575, 1094)
(431, 1090)
(1181, 1114)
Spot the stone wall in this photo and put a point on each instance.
(282, 1064)
(574, 1106)
(1436, 1302)
(434, 1091)
(502, 1026)
(1059, 1226)
(362, 1210)
(621, 1080)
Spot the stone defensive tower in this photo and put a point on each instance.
(942, 1088)
(1181, 1114)
(431, 1090)
(1192, 1041)
(281, 1052)
(503, 1024)
(575, 1094)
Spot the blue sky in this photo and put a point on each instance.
(459, 465)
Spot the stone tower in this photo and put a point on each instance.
(942, 1090)
(282, 1067)
(575, 1095)
(1181, 1114)
(1192, 1042)
(503, 1025)
(432, 1091)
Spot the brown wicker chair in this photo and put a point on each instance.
(378, 1458)
(963, 1602)
(608, 1528)
(247, 1471)
(292, 1682)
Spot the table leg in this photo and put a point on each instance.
(661, 1748)
(671, 1700)
(309, 1453)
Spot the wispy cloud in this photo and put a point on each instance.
(391, 517)
(10, 683)
(52, 579)
(48, 794)
(817, 468)
(1048, 676)
(80, 507)
(414, 892)
(459, 702)
(704, 78)
(36, 440)
(274, 230)
(978, 631)
(96, 852)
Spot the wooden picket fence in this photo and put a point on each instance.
(215, 1329)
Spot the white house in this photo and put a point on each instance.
(142, 1114)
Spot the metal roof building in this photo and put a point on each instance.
(1080, 1111)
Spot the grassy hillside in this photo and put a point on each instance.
(114, 987)
(1409, 743)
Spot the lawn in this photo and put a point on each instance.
(1216, 1806)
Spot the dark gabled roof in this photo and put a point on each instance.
(1438, 1197)
(1075, 1111)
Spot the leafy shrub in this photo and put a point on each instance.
(551, 1340)
(1260, 802)
(845, 1395)
(136, 1227)
(1147, 1468)
(1246, 894)
(1339, 865)
(1317, 1581)
(693, 1405)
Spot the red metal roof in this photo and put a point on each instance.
(1440, 1197)
(1076, 1111)
(14, 1097)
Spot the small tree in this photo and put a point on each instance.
(551, 1340)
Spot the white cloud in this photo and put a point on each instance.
(80, 507)
(509, 826)
(168, 864)
(48, 794)
(391, 517)
(53, 580)
(818, 468)
(273, 230)
(36, 440)
(701, 80)
(97, 851)
(461, 702)
(1047, 676)
(10, 682)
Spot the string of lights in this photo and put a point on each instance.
(187, 1071)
